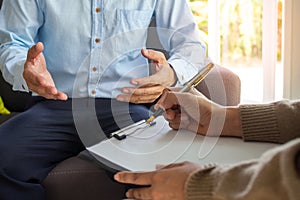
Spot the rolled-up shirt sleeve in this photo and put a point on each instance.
(18, 32)
(179, 34)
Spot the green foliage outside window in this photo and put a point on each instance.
(241, 26)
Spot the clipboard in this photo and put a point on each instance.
(160, 144)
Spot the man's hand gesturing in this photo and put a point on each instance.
(148, 89)
(37, 77)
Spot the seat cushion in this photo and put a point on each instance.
(77, 178)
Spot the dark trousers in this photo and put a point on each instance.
(35, 141)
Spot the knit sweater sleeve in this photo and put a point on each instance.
(276, 175)
(275, 122)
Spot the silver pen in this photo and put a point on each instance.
(187, 87)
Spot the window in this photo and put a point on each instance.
(245, 36)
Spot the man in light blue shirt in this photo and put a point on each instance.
(91, 49)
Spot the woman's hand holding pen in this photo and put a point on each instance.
(193, 111)
(37, 77)
(182, 111)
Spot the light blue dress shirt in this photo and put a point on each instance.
(92, 47)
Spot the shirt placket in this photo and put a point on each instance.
(95, 59)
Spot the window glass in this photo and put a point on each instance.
(240, 32)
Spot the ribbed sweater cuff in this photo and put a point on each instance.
(200, 185)
(259, 123)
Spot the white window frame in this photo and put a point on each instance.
(269, 49)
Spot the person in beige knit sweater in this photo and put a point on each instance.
(275, 175)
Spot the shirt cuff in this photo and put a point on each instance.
(19, 83)
(183, 70)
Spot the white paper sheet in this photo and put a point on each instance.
(159, 144)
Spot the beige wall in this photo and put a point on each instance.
(292, 50)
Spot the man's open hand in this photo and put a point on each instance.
(148, 89)
(37, 77)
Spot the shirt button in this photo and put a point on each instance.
(94, 68)
(98, 10)
(93, 92)
(97, 40)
